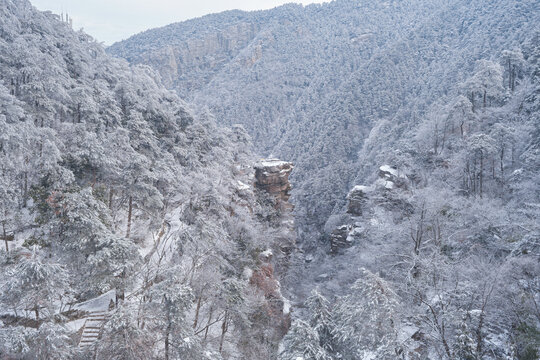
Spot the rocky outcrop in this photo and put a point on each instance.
(272, 181)
(276, 306)
(340, 238)
(272, 176)
(357, 198)
(386, 192)
(345, 236)
(391, 178)
(188, 63)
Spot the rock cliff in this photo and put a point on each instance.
(189, 63)
(272, 176)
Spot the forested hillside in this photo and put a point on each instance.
(414, 129)
(130, 227)
(309, 83)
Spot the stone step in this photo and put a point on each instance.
(90, 333)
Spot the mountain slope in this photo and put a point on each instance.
(413, 127)
(110, 184)
(309, 83)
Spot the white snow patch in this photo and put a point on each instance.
(267, 253)
(392, 171)
(406, 332)
(273, 162)
(242, 186)
(389, 169)
(369, 355)
(387, 184)
(286, 306)
(101, 303)
(247, 273)
(362, 188)
(75, 325)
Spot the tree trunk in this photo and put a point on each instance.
(111, 194)
(509, 74)
(5, 235)
(481, 172)
(224, 328)
(513, 76)
(208, 323)
(130, 211)
(167, 335)
(197, 311)
(25, 189)
(502, 168)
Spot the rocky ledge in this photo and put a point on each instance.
(272, 176)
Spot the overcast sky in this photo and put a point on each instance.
(114, 20)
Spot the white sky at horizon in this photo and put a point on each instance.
(114, 20)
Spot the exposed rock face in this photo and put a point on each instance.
(340, 238)
(272, 176)
(276, 307)
(391, 178)
(188, 63)
(357, 198)
(384, 192)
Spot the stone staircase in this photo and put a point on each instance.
(93, 326)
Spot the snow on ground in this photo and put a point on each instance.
(286, 306)
(75, 325)
(267, 253)
(387, 184)
(273, 162)
(362, 188)
(242, 186)
(391, 170)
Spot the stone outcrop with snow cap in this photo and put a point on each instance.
(357, 198)
(272, 176)
(384, 191)
(391, 178)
